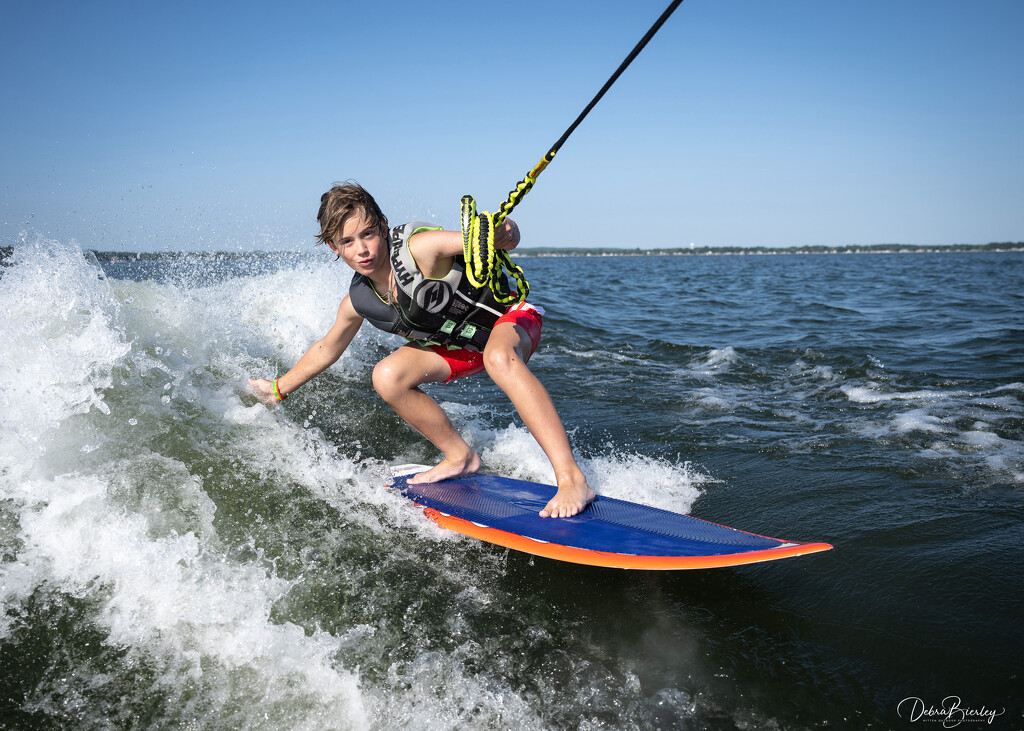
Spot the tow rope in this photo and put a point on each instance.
(484, 263)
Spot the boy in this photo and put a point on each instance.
(415, 287)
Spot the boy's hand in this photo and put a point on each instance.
(263, 389)
(506, 235)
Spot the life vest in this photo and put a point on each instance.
(447, 311)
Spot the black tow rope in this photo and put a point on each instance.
(484, 263)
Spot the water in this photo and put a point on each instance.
(174, 555)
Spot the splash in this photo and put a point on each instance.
(107, 513)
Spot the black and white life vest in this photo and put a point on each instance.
(447, 311)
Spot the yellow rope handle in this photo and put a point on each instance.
(522, 188)
(522, 290)
(477, 243)
(484, 262)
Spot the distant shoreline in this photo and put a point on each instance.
(770, 250)
(554, 251)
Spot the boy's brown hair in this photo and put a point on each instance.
(341, 201)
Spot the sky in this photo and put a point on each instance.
(146, 126)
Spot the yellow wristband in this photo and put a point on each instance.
(277, 392)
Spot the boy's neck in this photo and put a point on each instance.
(382, 278)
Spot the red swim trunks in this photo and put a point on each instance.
(464, 362)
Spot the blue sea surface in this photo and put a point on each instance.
(174, 554)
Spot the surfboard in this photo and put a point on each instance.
(609, 532)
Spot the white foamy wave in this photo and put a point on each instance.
(597, 354)
(439, 693)
(917, 420)
(876, 394)
(60, 345)
(513, 452)
(290, 453)
(707, 366)
(95, 372)
(712, 400)
(817, 372)
(716, 360)
(1003, 458)
(289, 310)
(203, 620)
(956, 426)
(637, 478)
(649, 481)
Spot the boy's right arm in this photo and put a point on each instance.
(321, 355)
(435, 250)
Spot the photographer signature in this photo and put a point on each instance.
(951, 712)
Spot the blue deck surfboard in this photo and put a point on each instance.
(609, 532)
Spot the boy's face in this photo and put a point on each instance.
(361, 244)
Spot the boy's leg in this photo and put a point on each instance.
(397, 379)
(505, 356)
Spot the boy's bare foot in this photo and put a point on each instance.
(574, 494)
(447, 469)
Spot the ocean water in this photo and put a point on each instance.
(174, 555)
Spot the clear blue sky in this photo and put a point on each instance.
(209, 125)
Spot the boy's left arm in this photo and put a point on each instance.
(434, 250)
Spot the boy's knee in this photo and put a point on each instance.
(385, 381)
(498, 361)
